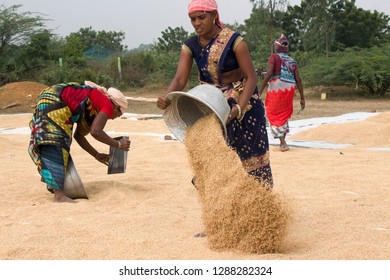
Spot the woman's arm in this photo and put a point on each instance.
(267, 77)
(98, 133)
(179, 81)
(248, 70)
(300, 87)
(84, 144)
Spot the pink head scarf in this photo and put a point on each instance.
(281, 44)
(205, 5)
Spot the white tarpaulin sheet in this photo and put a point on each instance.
(295, 127)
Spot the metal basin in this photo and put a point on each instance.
(73, 187)
(118, 159)
(188, 107)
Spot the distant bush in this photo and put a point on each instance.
(368, 69)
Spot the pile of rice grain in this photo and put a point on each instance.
(237, 211)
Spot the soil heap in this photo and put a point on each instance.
(19, 97)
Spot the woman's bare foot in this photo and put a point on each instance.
(200, 234)
(283, 147)
(59, 196)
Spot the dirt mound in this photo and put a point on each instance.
(19, 97)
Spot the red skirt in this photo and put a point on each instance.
(279, 101)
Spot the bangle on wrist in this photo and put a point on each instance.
(239, 111)
(119, 144)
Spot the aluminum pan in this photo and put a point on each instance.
(73, 186)
(187, 107)
(118, 159)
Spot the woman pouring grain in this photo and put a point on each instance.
(223, 60)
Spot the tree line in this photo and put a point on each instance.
(335, 43)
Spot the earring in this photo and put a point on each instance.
(214, 21)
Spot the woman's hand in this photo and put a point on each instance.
(124, 144)
(233, 114)
(302, 102)
(103, 158)
(163, 102)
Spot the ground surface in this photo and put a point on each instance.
(339, 198)
(20, 98)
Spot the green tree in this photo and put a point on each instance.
(260, 30)
(367, 69)
(293, 27)
(329, 25)
(16, 28)
(358, 27)
(136, 68)
(374, 69)
(38, 47)
(267, 11)
(165, 54)
(74, 50)
(256, 31)
(16, 31)
(319, 25)
(38, 53)
(89, 39)
(171, 39)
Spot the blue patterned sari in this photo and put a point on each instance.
(247, 136)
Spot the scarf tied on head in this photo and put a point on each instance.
(206, 6)
(281, 44)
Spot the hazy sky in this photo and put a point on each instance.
(142, 21)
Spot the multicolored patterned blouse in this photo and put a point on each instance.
(58, 108)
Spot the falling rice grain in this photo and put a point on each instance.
(237, 211)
